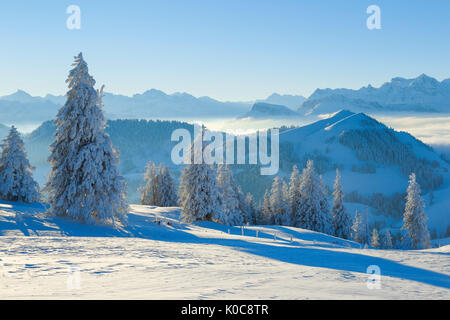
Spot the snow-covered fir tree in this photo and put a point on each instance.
(386, 240)
(341, 220)
(167, 192)
(360, 228)
(294, 194)
(253, 212)
(309, 214)
(148, 191)
(375, 239)
(16, 180)
(266, 210)
(406, 241)
(277, 203)
(199, 194)
(229, 193)
(414, 218)
(84, 182)
(325, 207)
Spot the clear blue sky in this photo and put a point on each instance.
(226, 49)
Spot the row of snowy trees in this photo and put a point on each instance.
(304, 203)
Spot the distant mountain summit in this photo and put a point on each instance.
(262, 110)
(291, 101)
(421, 94)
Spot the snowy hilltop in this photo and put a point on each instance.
(421, 94)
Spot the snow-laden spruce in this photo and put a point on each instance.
(230, 196)
(84, 182)
(148, 191)
(341, 220)
(375, 239)
(159, 189)
(266, 210)
(198, 192)
(414, 218)
(278, 201)
(309, 214)
(386, 240)
(294, 194)
(360, 228)
(16, 180)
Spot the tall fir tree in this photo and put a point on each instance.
(414, 218)
(16, 179)
(84, 182)
(341, 220)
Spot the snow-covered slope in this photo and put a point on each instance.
(375, 162)
(158, 257)
(421, 94)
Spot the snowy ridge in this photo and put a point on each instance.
(421, 94)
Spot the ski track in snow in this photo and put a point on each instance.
(170, 260)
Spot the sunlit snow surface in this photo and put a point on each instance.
(157, 257)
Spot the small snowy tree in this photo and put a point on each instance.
(341, 220)
(148, 192)
(414, 218)
(266, 210)
(84, 181)
(16, 180)
(387, 240)
(167, 194)
(309, 214)
(375, 239)
(199, 194)
(294, 195)
(230, 196)
(360, 228)
(252, 210)
(277, 203)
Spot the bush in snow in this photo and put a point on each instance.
(16, 181)
(414, 218)
(84, 182)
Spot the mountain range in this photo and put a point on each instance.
(421, 94)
